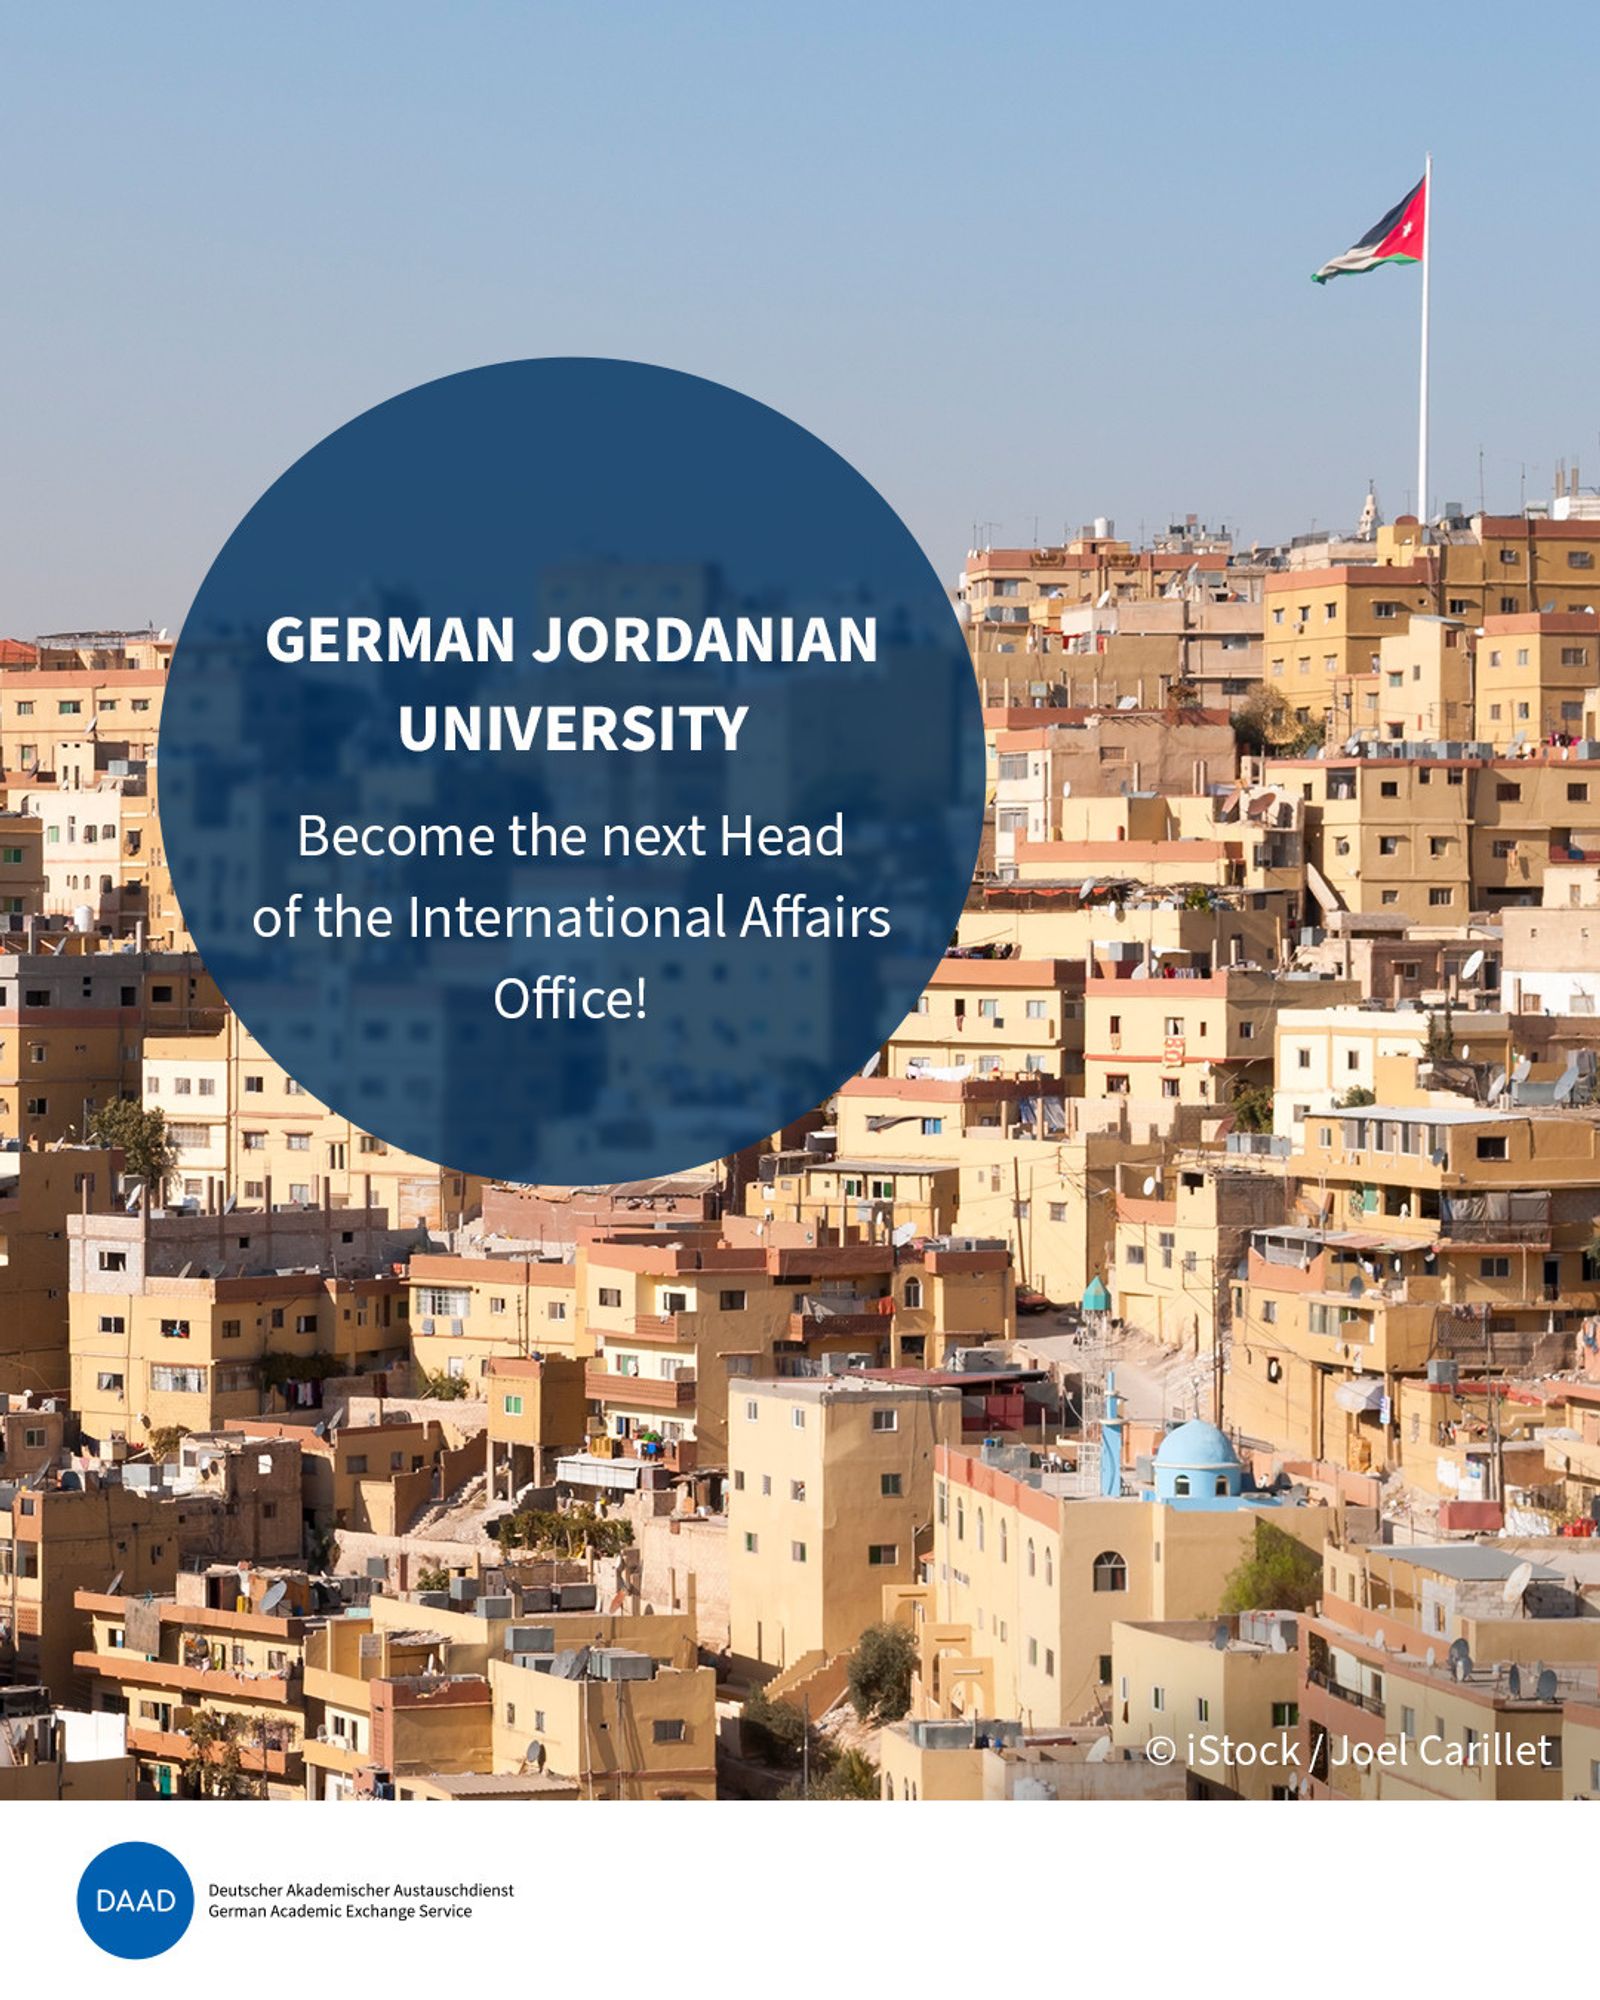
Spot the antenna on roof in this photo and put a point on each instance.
(1545, 1687)
(1517, 1582)
(274, 1597)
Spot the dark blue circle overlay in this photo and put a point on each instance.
(553, 491)
(135, 1900)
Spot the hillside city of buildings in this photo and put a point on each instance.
(1171, 1369)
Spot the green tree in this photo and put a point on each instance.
(1251, 1105)
(1354, 1099)
(571, 1532)
(1440, 1045)
(162, 1443)
(851, 1774)
(433, 1579)
(773, 1732)
(142, 1139)
(880, 1672)
(1279, 1574)
(214, 1767)
(1258, 723)
(441, 1388)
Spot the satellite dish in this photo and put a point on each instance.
(115, 1584)
(870, 1068)
(274, 1597)
(1473, 966)
(1278, 1642)
(1377, 1638)
(1517, 1582)
(1149, 1184)
(1545, 1687)
(904, 1233)
(1220, 1638)
(1514, 1682)
(1460, 1653)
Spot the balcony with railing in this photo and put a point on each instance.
(671, 1454)
(646, 1392)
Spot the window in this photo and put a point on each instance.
(886, 1420)
(174, 1329)
(797, 1552)
(1494, 1267)
(110, 1384)
(1158, 1700)
(752, 1410)
(798, 1419)
(1110, 1571)
(609, 1295)
(883, 1555)
(112, 1323)
(1439, 899)
(512, 1405)
(443, 1301)
(1491, 1148)
(932, 1127)
(113, 1260)
(731, 1302)
(178, 1381)
(912, 1294)
(1202, 1709)
(1285, 1714)
(751, 1545)
(797, 1489)
(891, 1485)
(669, 1729)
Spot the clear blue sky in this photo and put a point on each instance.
(1021, 265)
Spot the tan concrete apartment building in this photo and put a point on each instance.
(190, 1320)
(1226, 1692)
(830, 1500)
(56, 1541)
(244, 1130)
(213, 1646)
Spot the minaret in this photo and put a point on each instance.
(1368, 525)
(1111, 1440)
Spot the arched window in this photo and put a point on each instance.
(961, 1521)
(1180, 1486)
(1005, 1540)
(1222, 1482)
(1110, 1571)
(980, 1530)
(1030, 1556)
(1049, 1566)
(913, 1294)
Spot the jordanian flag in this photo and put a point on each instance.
(1397, 239)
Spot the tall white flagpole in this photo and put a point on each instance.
(1422, 408)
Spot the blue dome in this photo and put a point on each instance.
(1197, 1447)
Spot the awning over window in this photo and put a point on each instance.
(618, 1475)
(1365, 1394)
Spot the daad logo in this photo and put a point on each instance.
(135, 1900)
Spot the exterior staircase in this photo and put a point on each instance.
(813, 1683)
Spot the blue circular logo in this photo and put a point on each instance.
(571, 771)
(135, 1900)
